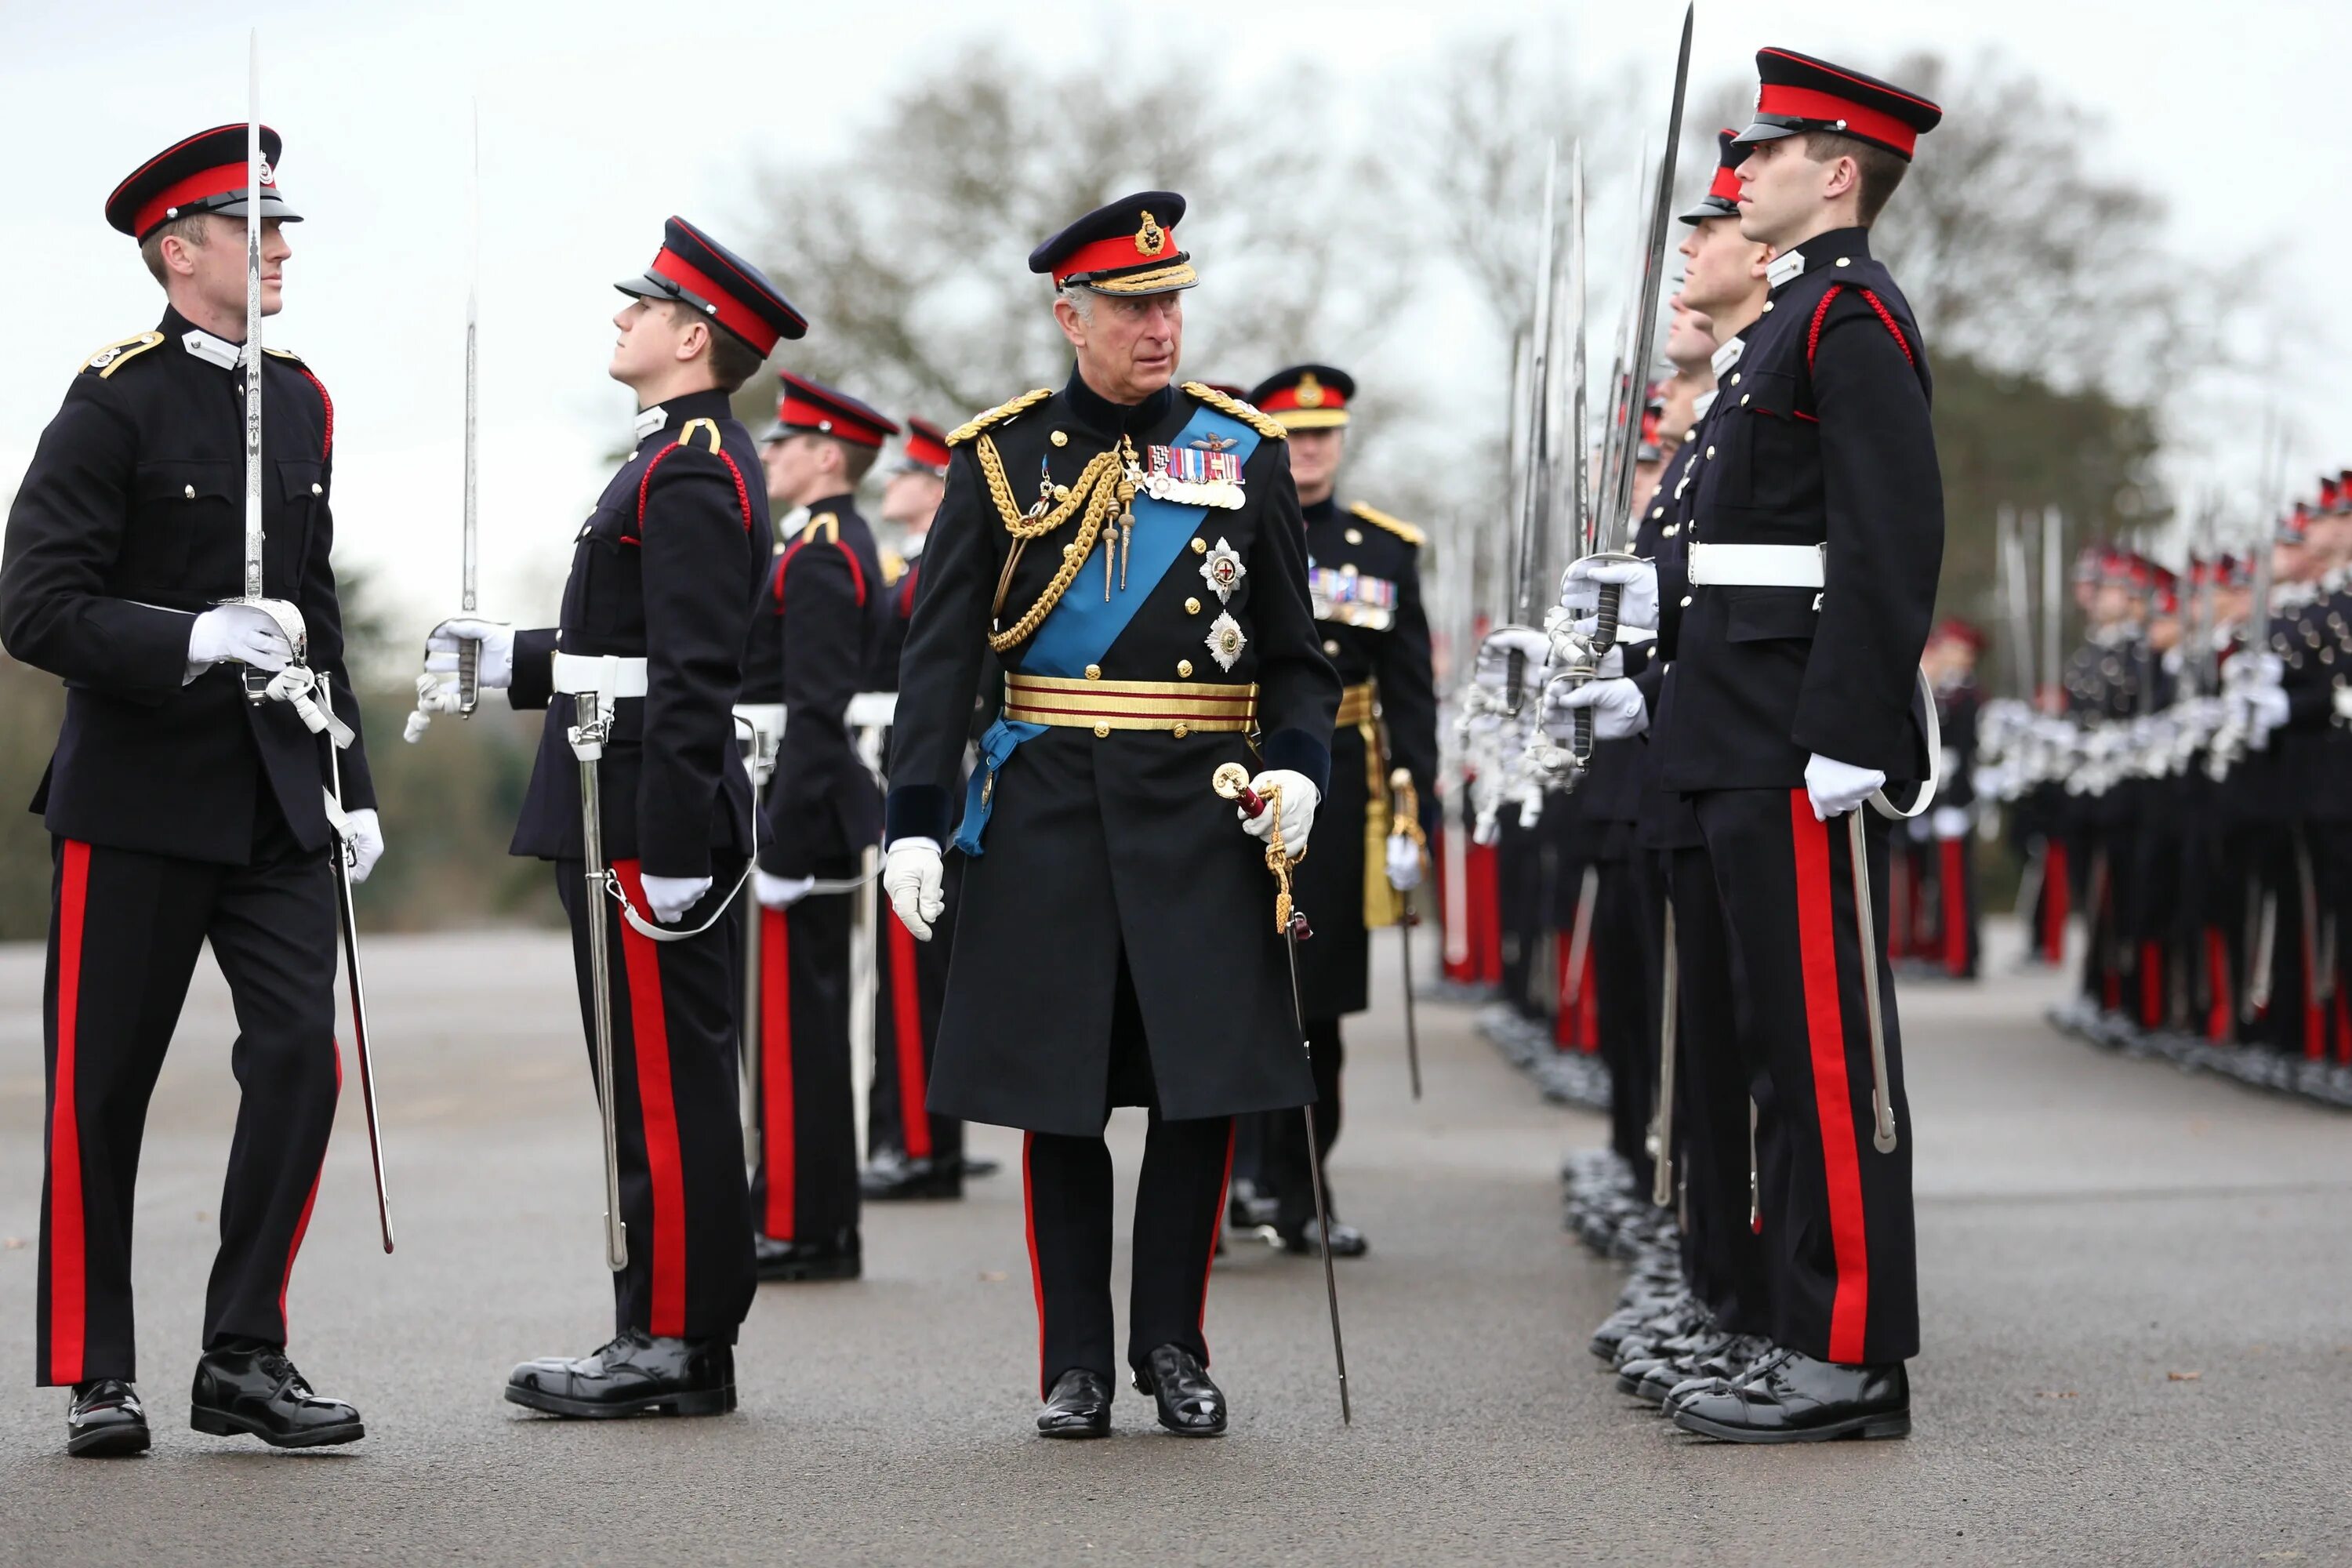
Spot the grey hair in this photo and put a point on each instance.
(1081, 298)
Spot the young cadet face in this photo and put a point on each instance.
(1690, 336)
(215, 271)
(803, 468)
(1784, 194)
(1314, 461)
(1129, 345)
(654, 341)
(1723, 269)
(908, 501)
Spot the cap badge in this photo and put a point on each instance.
(1311, 393)
(1150, 239)
(1225, 640)
(1222, 571)
(269, 174)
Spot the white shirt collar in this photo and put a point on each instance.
(1701, 403)
(1727, 356)
(1782, 269)
(650, 420)
(213, 350)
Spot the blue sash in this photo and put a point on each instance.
(1080, 629)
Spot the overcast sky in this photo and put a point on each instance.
(600, 120)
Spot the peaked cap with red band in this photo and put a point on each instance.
(2331, 497)
(697, 270)
(1722, 198)
(205, 173)
(2295, 526)
(813, 408)
(1952, 628)
(1306, 396)
(927, 446)
(1797, 93)
(1126, 247)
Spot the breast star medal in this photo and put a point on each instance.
(1225, 640)
(1223, 570)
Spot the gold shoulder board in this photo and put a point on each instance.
(998, 414)
(824, 524)
(894, 567)
(706, 426)
(1396, 525)
(1246, 413)
(282, 353)
(116, 355)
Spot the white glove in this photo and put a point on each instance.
(671, 897)
(1619, 714)
(1404, 862)
(1299, 798)
(1637, 606)
(364, 836)
(1838, 787)
(2342, 702)
(495, 669)
(239, 633)
(2265, 707)
(1950, 821)
(1493, 667)
(780, 892)
(916, 882)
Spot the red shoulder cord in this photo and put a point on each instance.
(856, 573)
(645, 480)
(1887, 317)
(326, 447)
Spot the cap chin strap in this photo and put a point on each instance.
(1927, 787)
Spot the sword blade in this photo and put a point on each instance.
(1865, 921)
(1661, 1185)
(1315, 1180)
(1620, 505)
(253, 166)
(1412, 1021)
(469, 652)
(361, 1040)
(600, 970)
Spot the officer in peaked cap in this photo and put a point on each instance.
(819, 632)
(1815, 539)
(665, 572)
(179, 814)
(1364, 581)
(1131, 549)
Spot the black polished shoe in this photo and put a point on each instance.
(1079, 1406)
(636, 1372)
(1792, 1398)
(892, 1178)
(248, 1390)
(1634, 1317)
(1247, 1206)
(1305, 1239)
(105, 1418)
(1190, 1405)
(837, 1257)
(1726, 1362)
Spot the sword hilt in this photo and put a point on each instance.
(469, 676)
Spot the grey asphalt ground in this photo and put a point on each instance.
(2137, 1289)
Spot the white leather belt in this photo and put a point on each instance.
(871, 710)
(1759, 565)
(608, 677)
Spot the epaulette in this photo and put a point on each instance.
(116, 355)
(997, 415)
(824, 524)
(894, 566)
(1236, 408)
(1396, 525)
(282, 353)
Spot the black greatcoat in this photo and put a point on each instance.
(674, 788)
(1820, 435)
(130, 522)
(1112, 852)
(1389, 647)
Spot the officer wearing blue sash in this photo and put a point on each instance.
(1132, 552)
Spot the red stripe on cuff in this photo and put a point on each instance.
(1833, 1096)
(68, 1322)
(907, 1027)
(777, 1147)
(649, 1036)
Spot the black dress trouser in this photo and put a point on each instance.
(1840, 1253)
(1284, 1173)
(125, 929)
(677, 1109)
(806, 1185)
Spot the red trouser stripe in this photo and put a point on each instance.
(1487, 914)
(2151, 983)
(777, 1145)
(906, 1025)
(1833, 1098)
(1216, 1224)
(649, 1030)
(1037, 1275)
(67, 1304)
(2343, 1024)
(2057, 892)
(302, 1226)
(2217, 976)
(1955, 906)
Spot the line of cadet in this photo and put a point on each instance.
(2183, 796)
(724, 698)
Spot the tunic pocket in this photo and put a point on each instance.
(1762, 614)
(186, 516)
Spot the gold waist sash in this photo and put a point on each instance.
(1179, 707)
(1360, 707)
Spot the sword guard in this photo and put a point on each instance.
(1299, 930)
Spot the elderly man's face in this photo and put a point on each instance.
(1129, 345)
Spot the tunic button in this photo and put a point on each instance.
(1710, 451)
(1657, 512)
(1354, 536)
(1180, 731)
(1332, 646)
(1094, 672)
(1184, 668)
(189, 491)
(1058, 439)
(1743, 399)
(1734, 378)
(1846, 261)
(1061, 492)
(1192, 607)
(1102, 731)
(1199, 546)
(1686, 598)
(1768, 304)
(318, 490)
